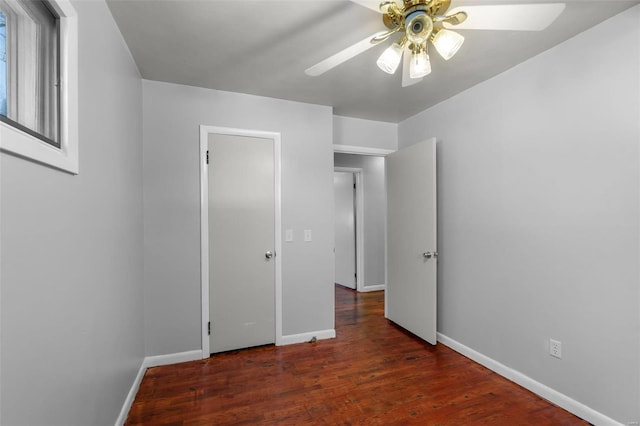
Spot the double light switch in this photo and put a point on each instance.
(288, 235)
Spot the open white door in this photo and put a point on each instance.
(411, 296)
(345, 229)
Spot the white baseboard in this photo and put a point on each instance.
(305, 337)
(128, 402)
(148, 362)
(557, 398)
(372, 288)
(154, 361)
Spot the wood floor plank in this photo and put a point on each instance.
(372, 373)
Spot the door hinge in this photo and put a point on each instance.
(207, 156)
(354, 186)
(209, 328)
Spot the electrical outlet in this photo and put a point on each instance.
(555, 348)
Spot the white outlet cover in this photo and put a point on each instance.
(555, 348)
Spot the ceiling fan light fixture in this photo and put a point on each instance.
(447, 42)
(390, 58)
(388, 6)
(420, 64)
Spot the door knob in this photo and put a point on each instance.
(427, 255)
(268, 255)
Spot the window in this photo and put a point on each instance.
(30, 68)
(38, 81)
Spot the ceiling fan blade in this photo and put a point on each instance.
(406, 79)
(348, 53)
(369, 4)
(514, 17)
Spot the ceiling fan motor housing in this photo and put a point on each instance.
(418, 26)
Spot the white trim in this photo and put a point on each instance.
(277, 146)
(359, 175)
(23, 144)
(204, 240)
(292, 339)
(148, 362)
(176, 358)
(362, 150)
(557, 398)
(373, 288)
(204, 224)
(386, 241)
(131, 396)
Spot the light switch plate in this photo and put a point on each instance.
(307, 235)
(288, 235)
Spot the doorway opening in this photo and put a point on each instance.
(361, 257)
(348, 221)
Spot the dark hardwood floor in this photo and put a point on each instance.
(373, 373)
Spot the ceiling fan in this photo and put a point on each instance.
(424, 23)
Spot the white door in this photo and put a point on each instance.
(345, 229)
(241, 242)
(410, 299)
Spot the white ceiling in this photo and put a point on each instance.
(262, 47)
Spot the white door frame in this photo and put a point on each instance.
(205, 131)
(362, 150)
(359, 204)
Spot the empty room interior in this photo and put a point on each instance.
(168, 195)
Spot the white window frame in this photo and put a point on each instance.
(22, 144)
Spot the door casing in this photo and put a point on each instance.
(205, 131)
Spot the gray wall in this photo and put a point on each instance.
(538, 215)
(364, 133)
(172, 116)
(71, 277)
(375, 208)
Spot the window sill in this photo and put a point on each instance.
(22, 144)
